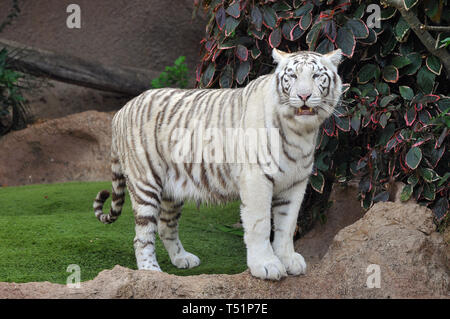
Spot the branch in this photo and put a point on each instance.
(435, 28)
(73, 70)
(423, 35)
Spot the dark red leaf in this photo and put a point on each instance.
(220, 18)
(275, 38)
(329, 30)
(410, 116)
(234, 10)
(270, 17)
(226, 77)
(242, 71)
(208, 75)
(286, 29)
(305, 21)
(241, 52)
(296, 33)
(230, 25)
(329, 126)
(256, 18)
(216, 54)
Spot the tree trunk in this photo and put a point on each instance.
(118, 79)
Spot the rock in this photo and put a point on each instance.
(76, 147)
(400, 238)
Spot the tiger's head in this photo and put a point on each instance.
(308, 85)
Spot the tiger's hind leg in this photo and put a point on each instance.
(168, 232)
(146, 202)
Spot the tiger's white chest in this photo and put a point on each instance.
(296, 161)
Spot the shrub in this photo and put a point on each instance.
(392, 124)
(13, 111)
(173, 76)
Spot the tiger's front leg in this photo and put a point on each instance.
(285, 208)
(256, 197)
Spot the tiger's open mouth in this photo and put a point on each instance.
(305, 110)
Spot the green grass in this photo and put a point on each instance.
(45, 228)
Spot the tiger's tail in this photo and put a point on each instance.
(118, 196)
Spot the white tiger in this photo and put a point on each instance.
(295, 99)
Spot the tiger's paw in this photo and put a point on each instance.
(271, 269)
(149, 266)
(295, 264)
(186, 260)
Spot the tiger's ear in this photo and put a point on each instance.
(278, 55)
(334, 56)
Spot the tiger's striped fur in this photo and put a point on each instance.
(295, 99)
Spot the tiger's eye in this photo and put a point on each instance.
(315, 76)
(293, 76)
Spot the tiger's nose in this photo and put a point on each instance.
(304, 97)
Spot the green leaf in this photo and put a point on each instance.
(359, 28)
(320, 163)
(367, 73)
(382, 88)
(440, 209)
(307, 8)
(413, 180)
(386, 134)
(413, 157)
(346, 41)
(434, 64)
(387, 13)
(325, 46)
(409, 3)
(400, 61)
(317, 182)
(406, 193)
(343, 123)
(381, 197)
(389, 42)
(425, 80)
(416, 62)
(443, 179)
(406, 92)
(429, 191)
(390, 74)
(428, 174)
(401, 29)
